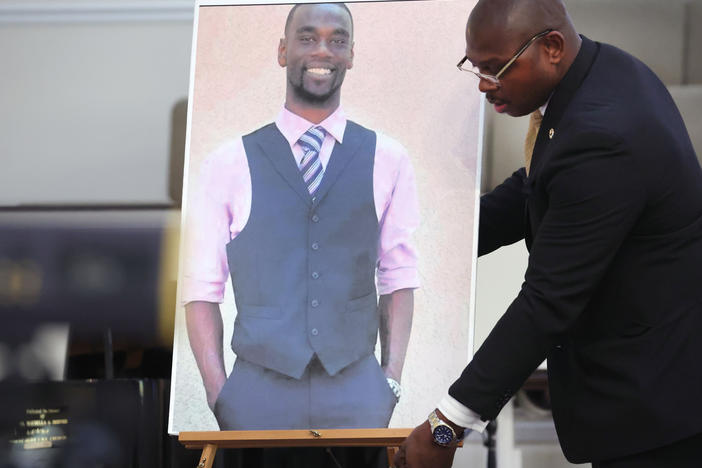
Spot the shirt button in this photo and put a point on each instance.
(314, 302)
(315, 246)
(315, 218)
(314, 332)
(315, 275)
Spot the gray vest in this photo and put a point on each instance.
(303, 268)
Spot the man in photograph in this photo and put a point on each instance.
(610, 205)
(307, 215)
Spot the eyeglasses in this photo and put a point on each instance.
(495, 79)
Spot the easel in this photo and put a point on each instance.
(210, 441)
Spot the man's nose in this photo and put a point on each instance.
(486, 85)
(322, 48)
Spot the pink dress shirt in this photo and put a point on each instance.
(220, 208)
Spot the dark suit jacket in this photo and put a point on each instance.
(613, 290)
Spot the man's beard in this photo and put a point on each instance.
(309, 97)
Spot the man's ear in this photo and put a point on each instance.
(554, 45)
(282, 61)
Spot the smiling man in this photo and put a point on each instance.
(306, 214)
(314, 79)
(610, 206)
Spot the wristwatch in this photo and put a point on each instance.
(443, 434)
(395, 387)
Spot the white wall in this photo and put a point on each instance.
(87, 93)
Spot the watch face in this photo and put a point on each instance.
(443, 435)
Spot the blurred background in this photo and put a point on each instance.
(92, 133)
(92, 136)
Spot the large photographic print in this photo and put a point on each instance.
(328, 247)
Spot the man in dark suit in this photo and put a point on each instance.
(610, 206)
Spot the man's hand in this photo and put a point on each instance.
(420, 451)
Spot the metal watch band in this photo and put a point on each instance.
(436, 422)
(395, 387)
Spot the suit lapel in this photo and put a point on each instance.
(277, 150)
(561, 97)
(341, 156)
(557, 105)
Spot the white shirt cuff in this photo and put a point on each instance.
(461, 415)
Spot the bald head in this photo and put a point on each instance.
(517, 20)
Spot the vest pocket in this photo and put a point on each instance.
(368, 301)
(270, 312)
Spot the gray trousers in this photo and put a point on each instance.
(256, 398)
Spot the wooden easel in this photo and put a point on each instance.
(210, 441)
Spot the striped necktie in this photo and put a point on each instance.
(311, 166)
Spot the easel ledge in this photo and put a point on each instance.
(379, 437)
(210, 441)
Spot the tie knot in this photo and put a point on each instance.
(312, 139)
(536, 117)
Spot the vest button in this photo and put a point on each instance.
(315, 275)
(314, 302)
(314, 332)
(315, 246)
(315, 218)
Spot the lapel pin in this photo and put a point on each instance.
(551, 133)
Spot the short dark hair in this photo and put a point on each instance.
(292, 12)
